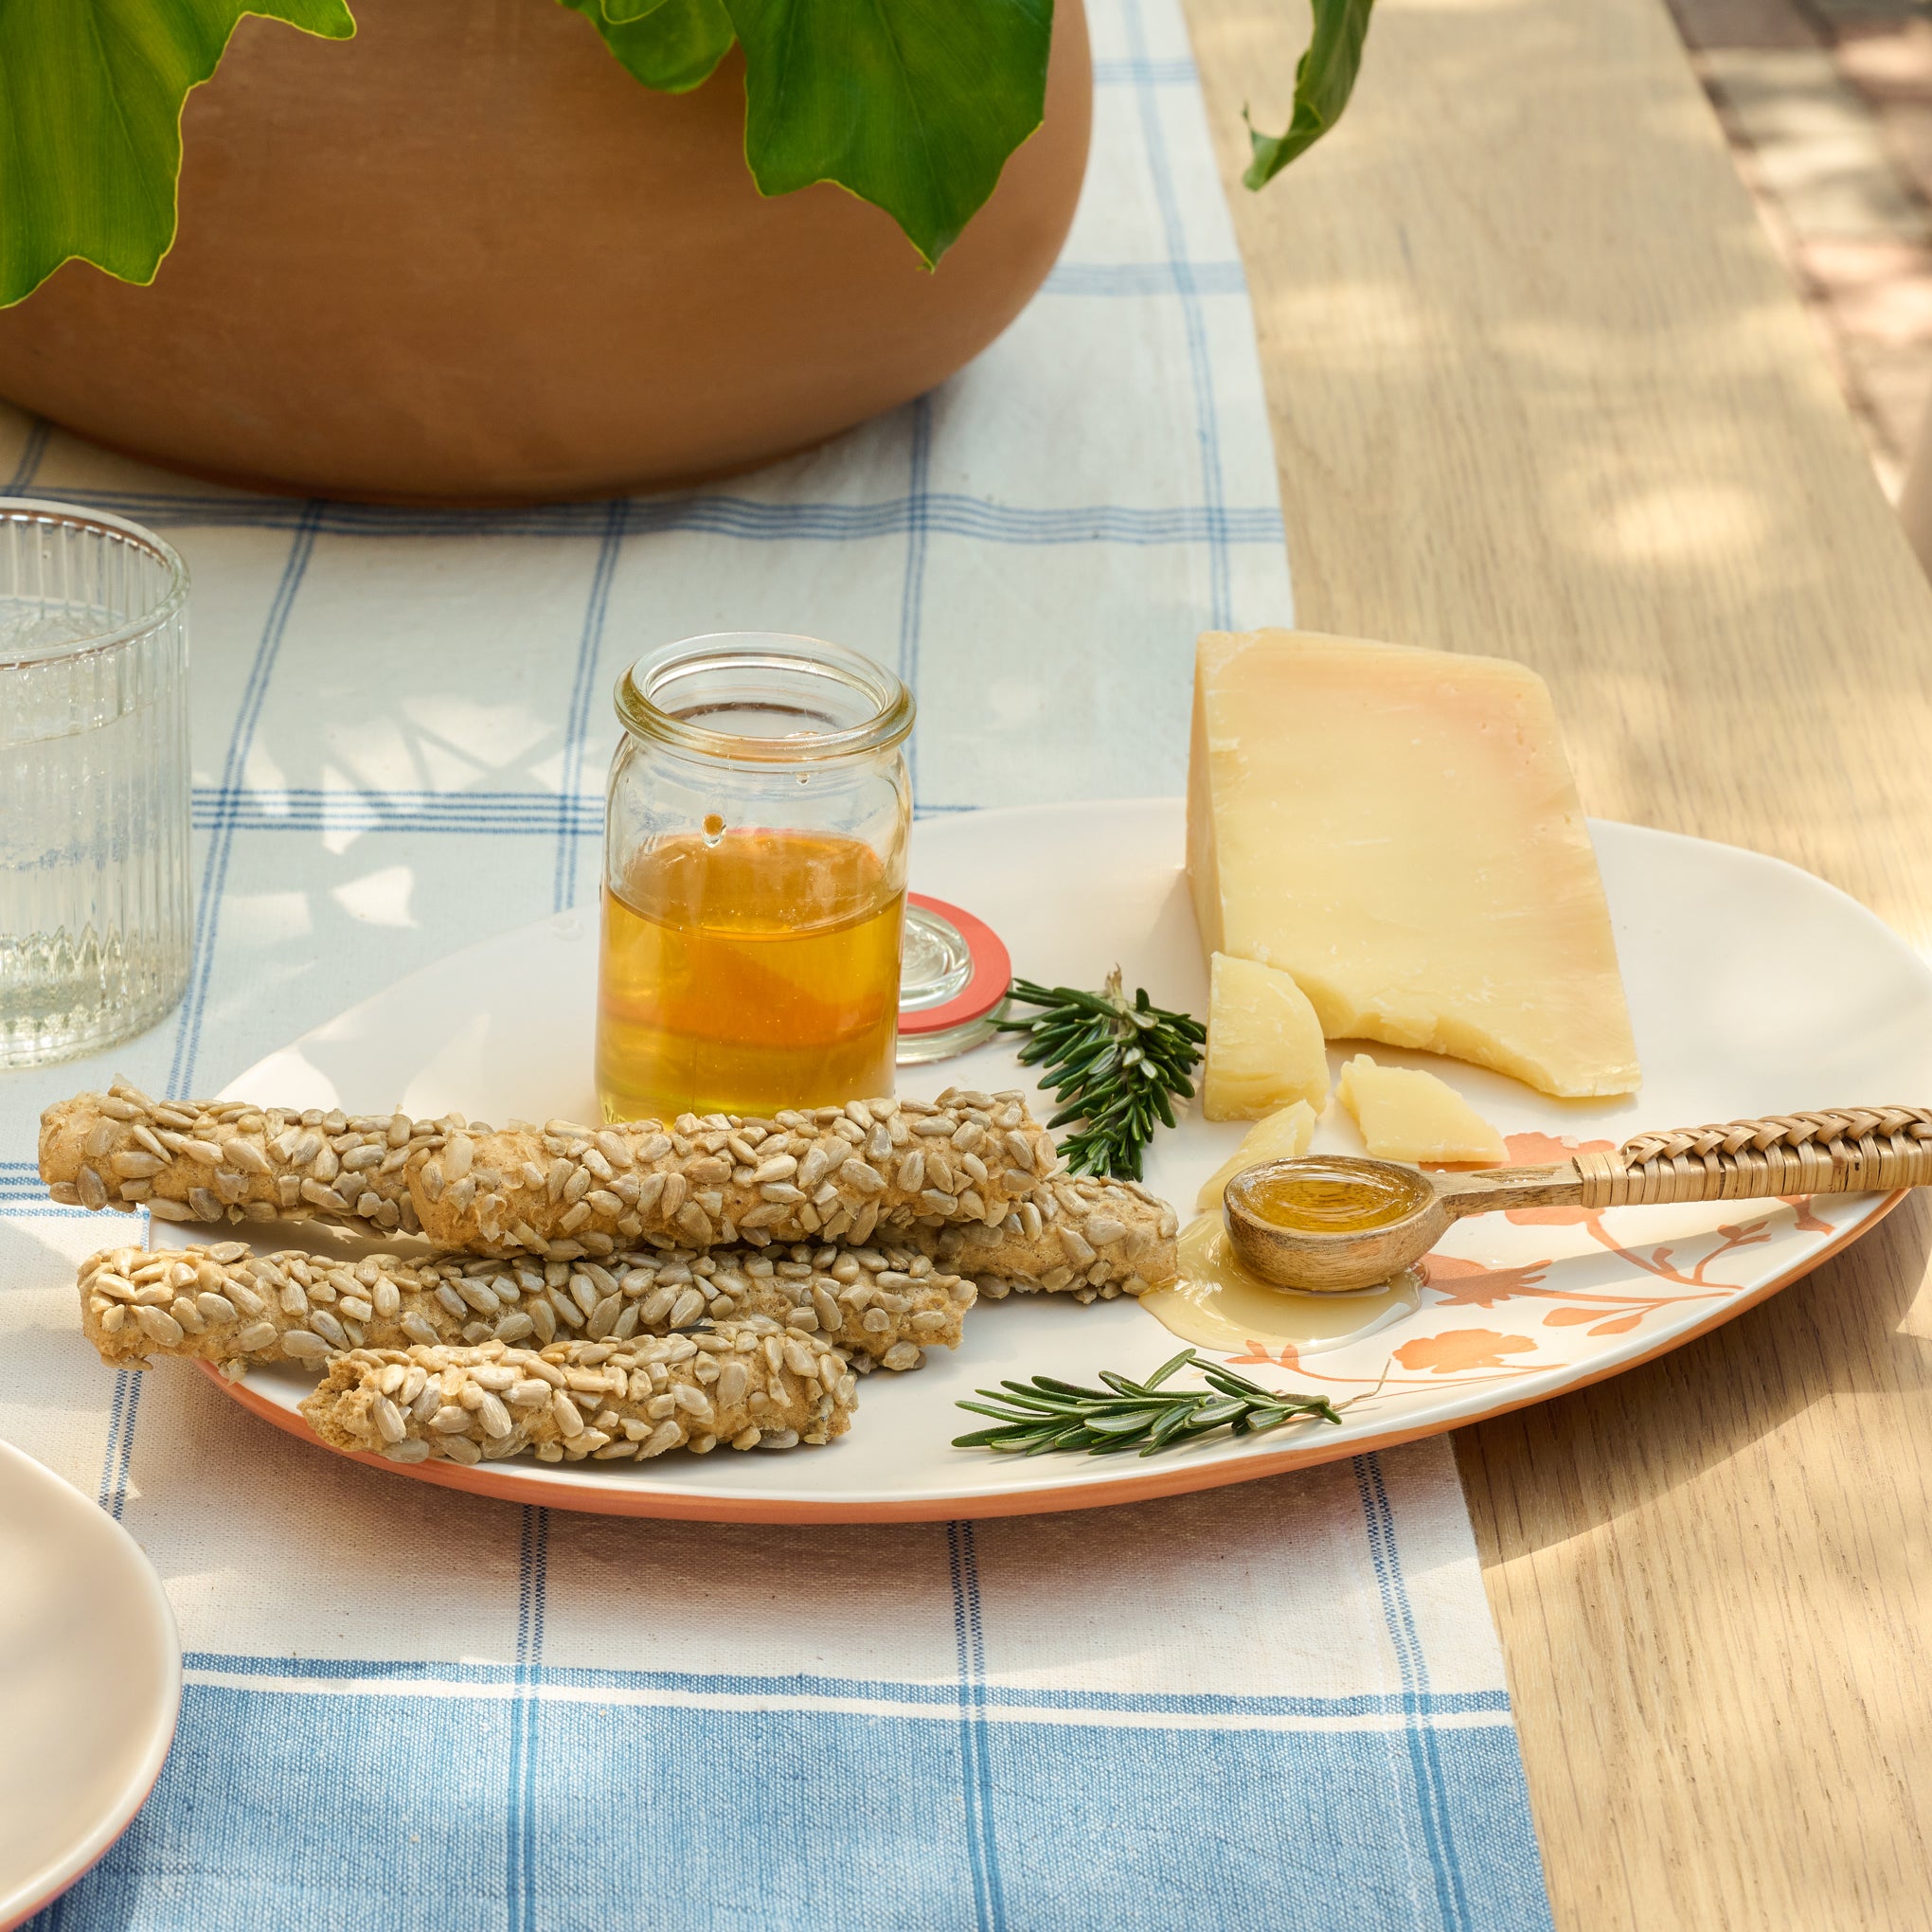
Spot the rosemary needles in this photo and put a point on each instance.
(1044, 1414)
(1115, 1063)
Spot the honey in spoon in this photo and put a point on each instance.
(1318, 1198)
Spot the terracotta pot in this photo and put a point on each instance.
(464, 256)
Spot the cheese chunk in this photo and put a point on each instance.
(1399, 830)
(1265, 1043)
(1405, 1115)
(1281, 1136)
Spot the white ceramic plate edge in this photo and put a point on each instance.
(1036, 1486)
(71, 1863)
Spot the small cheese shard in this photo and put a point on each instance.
(1399, 830)
(1405, 1115)
(1265, 1043)
(1281, 1136)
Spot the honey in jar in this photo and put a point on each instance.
(753, 880)
(746, 972)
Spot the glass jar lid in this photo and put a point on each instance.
(954, 976)
(762, 697)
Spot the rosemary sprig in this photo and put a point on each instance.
(1115, 1063)
(1046, 1414)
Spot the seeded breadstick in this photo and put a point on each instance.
(1078, 1235)
(746, 1382)
(223, 1304)
(208, 1161)
(880, 1304)
(565, 1191)
(835, 1174)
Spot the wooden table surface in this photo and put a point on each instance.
(1539, 388)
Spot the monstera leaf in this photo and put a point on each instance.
(912, 104)
(91, 94)
(1324, 78)
(670, 44)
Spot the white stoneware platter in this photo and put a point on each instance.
(1755, 989)
(90, 1684)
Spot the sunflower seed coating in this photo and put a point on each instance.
(241, 1307)
(1078, 1235)
(214, 1160)
(870, 1169)
(575, 1400)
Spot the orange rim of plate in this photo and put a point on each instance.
(525, 1483)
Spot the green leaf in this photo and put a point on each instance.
(91, 92)
(1324, 78)
(913, 105)
(671, 46)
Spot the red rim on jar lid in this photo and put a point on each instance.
(954, 976)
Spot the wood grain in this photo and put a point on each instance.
(1539, 388)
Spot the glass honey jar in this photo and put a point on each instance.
(753, 879)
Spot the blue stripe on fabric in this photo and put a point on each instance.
(946, 513)
(1433, 1808)
(1146, 279)
(539, 814)
(122, 1414)
(274, 808)
(286, 1811)
(1400, 1625)
(989, 1902)
(110, 1493)
(478, 826)
(1417, 1677)
(912, 590)
(215, 797)
(120, 1457)
(583, 682)
(520, 1869)
(125, 1384)
(1174, 227)
(1239, 1708)
(1143, 73)
(31, 451)
(241, 738)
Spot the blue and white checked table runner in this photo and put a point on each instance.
(1275, 1706)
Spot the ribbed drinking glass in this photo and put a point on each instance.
(94, 780)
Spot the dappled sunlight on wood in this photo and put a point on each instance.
(1540, 388)
(1683, 525)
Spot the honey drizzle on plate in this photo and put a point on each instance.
(1217, 1304)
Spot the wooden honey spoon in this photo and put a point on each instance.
(1332, 1224)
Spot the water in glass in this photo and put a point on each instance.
(94, 780)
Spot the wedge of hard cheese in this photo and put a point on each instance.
(1399, 831)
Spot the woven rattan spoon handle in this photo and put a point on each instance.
(1846, 1150)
